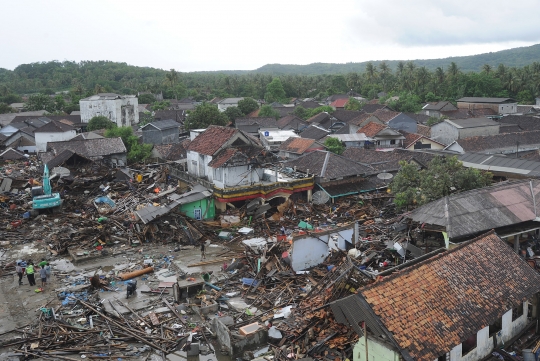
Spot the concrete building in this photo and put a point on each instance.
(120, 109)
(54, 131)
(161, 132)
(271, 139)
(499, 105)
(448, 130)
(421, 313)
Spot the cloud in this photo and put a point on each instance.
(239, 34)
(443, 22)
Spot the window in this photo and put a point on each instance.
(393, 141)
(217, 174)
(495, 327)
(468, 345)
(517, 312)
(444, 357)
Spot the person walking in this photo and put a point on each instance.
(43, 275)
(30, 270)
(203, 251)
(20, 272)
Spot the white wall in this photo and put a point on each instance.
(308, 251)
(484, 343)
(111, 109)
(43, 138)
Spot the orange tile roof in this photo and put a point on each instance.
(296, 145)
(339, 103)
(213, 138)
(410, 138)
(371, 129)
(435, 305)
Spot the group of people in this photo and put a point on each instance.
(30, 270)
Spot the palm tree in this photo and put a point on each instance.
(487, 69)
(172, 77)
(371, 72)
(385, 73)
(453, 70)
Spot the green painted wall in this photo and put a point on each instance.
(376, 351)
(207, 207)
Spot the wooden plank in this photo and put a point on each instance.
(154, 319)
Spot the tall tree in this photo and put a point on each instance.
(205, 115)
(275, 92)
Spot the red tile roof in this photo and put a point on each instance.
(410, 138)
(296, 145)
(435, 305)
(371, 129)
(240, 155)
(339, 103)
(213, 138)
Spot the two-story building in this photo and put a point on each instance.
(123, 110)
(233, 164)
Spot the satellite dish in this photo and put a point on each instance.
(320, 197)
(385, 176)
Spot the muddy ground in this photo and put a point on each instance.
(20, 304)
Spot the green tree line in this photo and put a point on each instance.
(450, 83)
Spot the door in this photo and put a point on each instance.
(197, 213)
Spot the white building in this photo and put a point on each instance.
(223, 156)
(52, 132)
(271, 139)
(228, 102)
(120, 109)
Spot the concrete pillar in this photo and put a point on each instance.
(516, 243)
(310, 195)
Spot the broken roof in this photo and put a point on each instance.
(328, 165)
(235, 156)
(384, 161)
(478, 210)
(423, 307)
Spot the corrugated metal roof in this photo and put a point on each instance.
(468, 213)
(486, 100)
(500, 163)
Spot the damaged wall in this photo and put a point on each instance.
(311, 249)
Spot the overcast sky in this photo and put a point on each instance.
(235, 34)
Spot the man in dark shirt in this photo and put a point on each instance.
(203, 251)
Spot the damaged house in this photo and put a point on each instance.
(458, 305)
(232, 163)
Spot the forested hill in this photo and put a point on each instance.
(516, 57)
